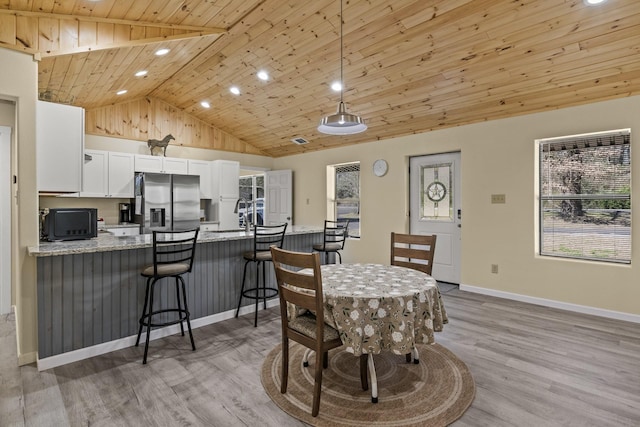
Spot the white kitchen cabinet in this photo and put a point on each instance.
(107, 174)
(225, 175)
(134, 230)
(146, 163)
(121, 174)
(95, 174)
(59, 147)
(202, 168)
(209, 227)
(174, 165)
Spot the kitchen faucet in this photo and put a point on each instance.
(247, 225)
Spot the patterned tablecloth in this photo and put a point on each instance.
(381, 307)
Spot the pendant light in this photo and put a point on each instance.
(341, 123)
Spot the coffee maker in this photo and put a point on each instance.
(125, 213)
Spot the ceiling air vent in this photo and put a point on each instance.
(300, 141)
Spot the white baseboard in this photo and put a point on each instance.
(23, 358)
(130, 341)
(585, 309)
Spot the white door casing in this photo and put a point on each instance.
(278, 190)
(435, 208)
(5, 219)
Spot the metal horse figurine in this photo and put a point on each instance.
(153, 143)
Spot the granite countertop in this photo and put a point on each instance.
(134, 225)
(106, 242)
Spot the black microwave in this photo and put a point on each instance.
(69, 224)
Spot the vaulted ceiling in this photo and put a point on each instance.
(409, 65)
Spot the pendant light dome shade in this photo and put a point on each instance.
(341, 123)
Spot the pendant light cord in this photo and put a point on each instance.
(341, 53)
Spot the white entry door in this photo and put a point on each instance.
(278, 190)
(5, 219)
(435, 209)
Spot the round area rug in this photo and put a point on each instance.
(434, 392)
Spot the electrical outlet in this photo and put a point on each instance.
(498, 198)
(494, 268)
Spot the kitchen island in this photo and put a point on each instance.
(90, 292)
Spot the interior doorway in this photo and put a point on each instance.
(5, 219)
(278, 190)
(435, 207)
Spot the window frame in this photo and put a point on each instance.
(255, 193)
(596, 140)
(332, 191)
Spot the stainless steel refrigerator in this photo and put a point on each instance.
(165, 202)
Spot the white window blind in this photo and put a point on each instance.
(585, 196)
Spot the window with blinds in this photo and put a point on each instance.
(585, 196)
(347, 195)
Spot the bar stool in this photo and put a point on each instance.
(173, 254)
(335, 234)
(264, 236)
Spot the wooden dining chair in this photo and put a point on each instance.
(414, 251)
(304, 290)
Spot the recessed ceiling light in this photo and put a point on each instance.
(336, 86)
(161, 52)
(234, 90)
(263, 75)
(593, 2)
(205, 104)
(121, 92)
(141, 73)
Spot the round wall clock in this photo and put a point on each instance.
(380, 167)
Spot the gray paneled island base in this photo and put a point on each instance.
(90, 292)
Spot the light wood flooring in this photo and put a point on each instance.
(533, 366)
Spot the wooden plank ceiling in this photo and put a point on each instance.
(409, 65)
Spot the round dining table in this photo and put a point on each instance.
(379, 307)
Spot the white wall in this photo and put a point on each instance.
(498, 157)
(7, 123)
(19, 83)
(5, 219)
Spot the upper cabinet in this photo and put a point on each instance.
(173, 165)
(225, 176)
(59, 147)
(202, 168)
(121, 174)
(111, 174)
(95, 174)
(146, 163)
(107, 174)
